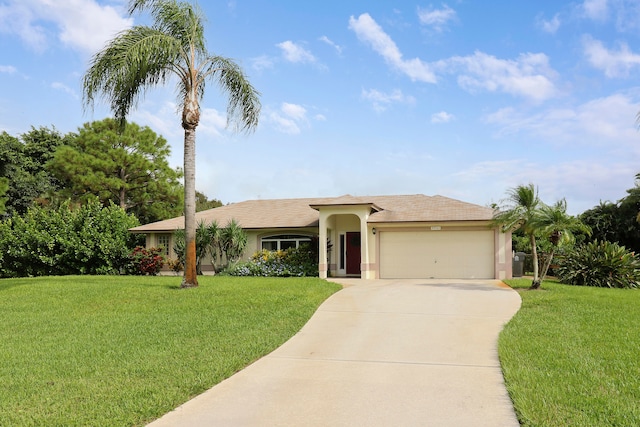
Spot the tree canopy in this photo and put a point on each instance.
(23, 163)
(128, 167)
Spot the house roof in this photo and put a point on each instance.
(298, 213)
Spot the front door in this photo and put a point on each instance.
(353, 253)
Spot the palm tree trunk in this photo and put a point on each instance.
(190, 278)
(547, 264)
(536, 280)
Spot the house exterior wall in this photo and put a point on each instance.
(340, 220)
(254, 242)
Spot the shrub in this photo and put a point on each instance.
(175, 265)
(87, 239)
(291, 262)
(601, 264)
(146, 261)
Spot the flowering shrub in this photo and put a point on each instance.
(146, 261)
(291, 262)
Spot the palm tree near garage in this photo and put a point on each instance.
(174, 46)
(521, 211)
(554, 222)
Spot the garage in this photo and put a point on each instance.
(439, 254)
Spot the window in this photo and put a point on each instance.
(164, 241)
(283, 241)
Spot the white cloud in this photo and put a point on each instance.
(288, 118)
(163, 119)
(441, 117)
(65, 88)
(295, 53)
(579, 178)
(294, 111)
(602, 122)
(614, 63)
(436, 18)
(529, 76)
(9, 69)
(550, 26)
(596, 10)
(212, 122)
(261, 62)
(625, 14)
(83, 25)
(328, 41)
(380, 100)
(369, 32)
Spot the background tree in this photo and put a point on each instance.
(520, 211)
(128, 167)
(23, 163)
(173, 46)
(203, 203)
(4, 187)
(617, 222)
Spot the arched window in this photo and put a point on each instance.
(284, 241)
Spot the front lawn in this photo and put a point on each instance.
(571, 356)
(122, 351)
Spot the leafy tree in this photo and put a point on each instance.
(127, 166)
(554, 222)
(173, 46)
(617, 222)
(603, 221)
(23, 163)
(522, 205)
(4, 187)
(203, 203)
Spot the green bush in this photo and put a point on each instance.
(89, 239)
(601, 264)
(299, 261)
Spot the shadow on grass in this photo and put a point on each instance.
(6, 284)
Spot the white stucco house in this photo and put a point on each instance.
(371, 237)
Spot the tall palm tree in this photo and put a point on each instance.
(521, 210)
(559, 226)
(173, 46)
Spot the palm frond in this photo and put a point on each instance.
(243, 108)
(134, 61)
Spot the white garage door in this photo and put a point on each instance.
(437, 254)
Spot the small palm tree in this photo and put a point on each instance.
(522, 205)
(553, 221)
(145, 56)
(234, 240)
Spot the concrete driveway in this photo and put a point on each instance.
(377, 353)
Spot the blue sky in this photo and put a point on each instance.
(459, 98)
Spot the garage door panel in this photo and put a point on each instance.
(437, 254)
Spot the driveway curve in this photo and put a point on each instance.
(377, 353)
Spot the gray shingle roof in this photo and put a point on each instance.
(294, 213)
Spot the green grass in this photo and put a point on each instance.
(570, 356)
(122, 351)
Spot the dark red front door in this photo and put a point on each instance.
(353, 253)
